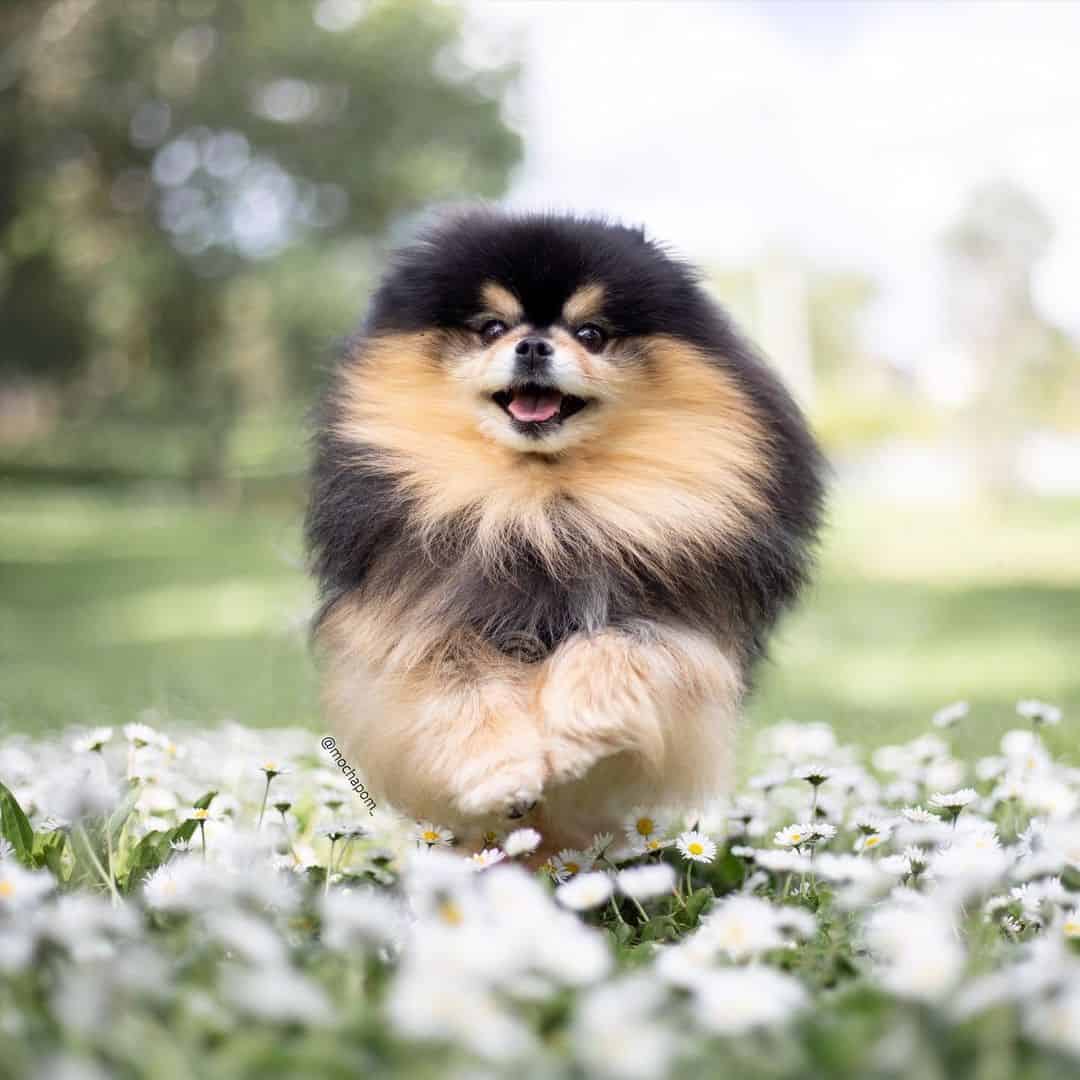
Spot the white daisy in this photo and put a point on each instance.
(696, 846)
(814, 773)
(782, 862)
(481, 860)
(568, 863)
(433, 835)
(92, 740)
(585, 891)
(737, 1000)
(646, 882)
(644, 827)
(521, 842)
(954, 800)
(743, 926)
(916, 949)
(1038, 712)
(1055, 1020)
(279, 994)
(794, 836)
(950, 715)
(600, 844)
(183, 884)
(142, 735)
(21, 889)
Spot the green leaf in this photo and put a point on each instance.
(696, 904)
(154, 848)
(186, 829)
(15, 827)
(147, 855)
(48, 851)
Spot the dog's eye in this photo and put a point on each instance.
(592, 337)
(492, 330)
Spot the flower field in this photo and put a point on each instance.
(220, 903)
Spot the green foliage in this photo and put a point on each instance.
(15, 828)
(190, 193)
(136, 863)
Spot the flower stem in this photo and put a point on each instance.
(618, 913)
(262, 808)
(105, 875)
(329, 867)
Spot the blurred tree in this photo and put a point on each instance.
(187, 188)
(1017, 362)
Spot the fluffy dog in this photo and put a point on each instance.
(557, 505)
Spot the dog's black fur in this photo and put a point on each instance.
(359, 527)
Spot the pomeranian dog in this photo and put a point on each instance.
(557, 505)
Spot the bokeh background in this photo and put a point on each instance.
(195, 197)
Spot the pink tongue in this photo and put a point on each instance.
(535, 407)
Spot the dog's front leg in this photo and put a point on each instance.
(630, 690)
(441, 726)
(487, 749)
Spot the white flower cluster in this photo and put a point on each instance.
(229, 879)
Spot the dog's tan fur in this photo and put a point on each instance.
(442, 724)
(501, 302)
(675, 451)
(584, 304)
(450, 730)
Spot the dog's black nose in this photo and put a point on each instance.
(533, 354)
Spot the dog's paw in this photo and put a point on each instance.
(569, 760)
(506, 789)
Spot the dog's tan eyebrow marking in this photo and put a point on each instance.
(501, 302)
(584, 304)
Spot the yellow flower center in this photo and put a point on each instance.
(695, 848)
(450, 913)
(652, 845)
(201, 815)
(1071, 928)
(796, 838)
(430, 837)
(571, 867)
(645, 826)
(7, 888)
(872, 841)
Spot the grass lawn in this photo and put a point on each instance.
(111, 603)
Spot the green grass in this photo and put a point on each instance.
(111, 603)
(114, 603)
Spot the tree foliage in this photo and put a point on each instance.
(188, 189)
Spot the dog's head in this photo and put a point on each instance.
(544, 328)
(538, 394)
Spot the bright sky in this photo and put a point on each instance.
(850, 133)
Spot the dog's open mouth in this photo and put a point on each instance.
(537, 406)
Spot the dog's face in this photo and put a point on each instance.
(538, 386)
(542, 328)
